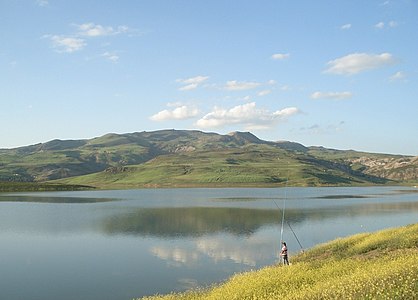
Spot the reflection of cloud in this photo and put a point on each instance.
(223, 250)
(219, 248)
(175, 254)
(188, 283)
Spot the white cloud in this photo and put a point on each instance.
(93, 30)
(359, 62)
(66, 44)
(280, 56)
(379, 25)
(397, 76)
(393, 24)
(331, 95)
(382, 25)
(198, 79)
(234, 85)
(264, 93)
(323, 129)
(111, 56)
(247, 114)
(77, 41)
(179, 113)
(345, 26)
(192, 83)
(189, 87)
(42, 2)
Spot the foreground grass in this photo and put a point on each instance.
(382, 265)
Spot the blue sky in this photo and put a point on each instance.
(338, 74)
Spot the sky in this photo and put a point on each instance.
(340, 74)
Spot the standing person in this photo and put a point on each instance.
(283, 254)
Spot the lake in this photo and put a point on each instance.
(130, 243)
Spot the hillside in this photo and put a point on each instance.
(195, 158)
(380, 265)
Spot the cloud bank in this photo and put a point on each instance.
(247, 114)
(179, 113)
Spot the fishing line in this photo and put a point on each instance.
(284, 203)
(288, 224)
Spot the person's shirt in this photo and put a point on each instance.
(284, 250)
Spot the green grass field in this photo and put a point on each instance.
(382, 265)
(250, 166)
(181, 158)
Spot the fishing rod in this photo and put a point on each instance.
(288, 224)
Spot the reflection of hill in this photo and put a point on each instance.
(190, 221)
(48, 199)
(198, 221)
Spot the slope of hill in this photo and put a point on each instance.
(195, 158)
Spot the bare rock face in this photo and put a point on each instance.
(115, 170)
(404, 168)
(184, 149)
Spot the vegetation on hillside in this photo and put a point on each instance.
(175, 158)
(382, 265)
(250, 165)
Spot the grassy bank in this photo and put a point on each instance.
(382, 265)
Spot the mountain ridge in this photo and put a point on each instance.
(234, 158)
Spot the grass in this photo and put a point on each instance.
(173, 158)
(382, 265)
(260, 165)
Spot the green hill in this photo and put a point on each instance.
(176, 158)
(382, 265)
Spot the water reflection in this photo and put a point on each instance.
(190, 221)
(179, 222)
(373, 195)
(343, 197)
(182, 237)
(175, 256)
(43, 199)
(217, 248)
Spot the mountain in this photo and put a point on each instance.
(195, 158)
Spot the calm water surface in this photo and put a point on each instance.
(131, 243)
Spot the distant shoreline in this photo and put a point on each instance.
(11, 187)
